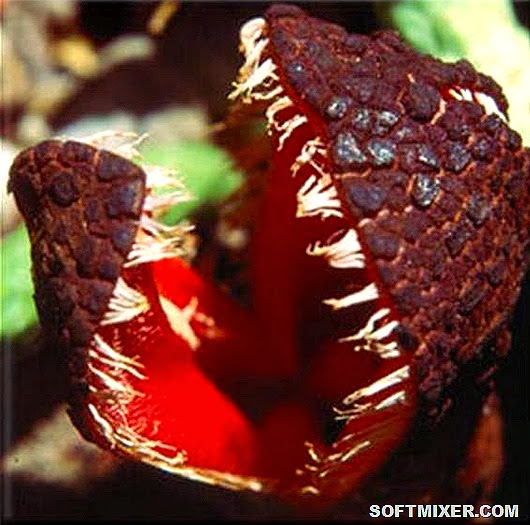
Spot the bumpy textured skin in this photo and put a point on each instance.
(443, 206)
(81, 206)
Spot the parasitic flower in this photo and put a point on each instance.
(387, 253)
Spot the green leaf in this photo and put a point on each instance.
(207, 172)
(427, 26)
(18, 307)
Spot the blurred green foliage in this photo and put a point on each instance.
(206, 170)
(427, 26)
(453, 29)
(18, 308)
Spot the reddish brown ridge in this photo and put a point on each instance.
(81, 207)
(386, 258)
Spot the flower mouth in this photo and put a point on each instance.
(358, 235)
(174, 373)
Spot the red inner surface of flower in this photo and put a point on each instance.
(256, 392)
(253, 392)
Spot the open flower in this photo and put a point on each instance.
(385, 259)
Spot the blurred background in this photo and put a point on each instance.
(73, 68)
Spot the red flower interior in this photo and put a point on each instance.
(231, 404)
(256, 393)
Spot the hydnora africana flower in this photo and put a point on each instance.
(387, 255)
